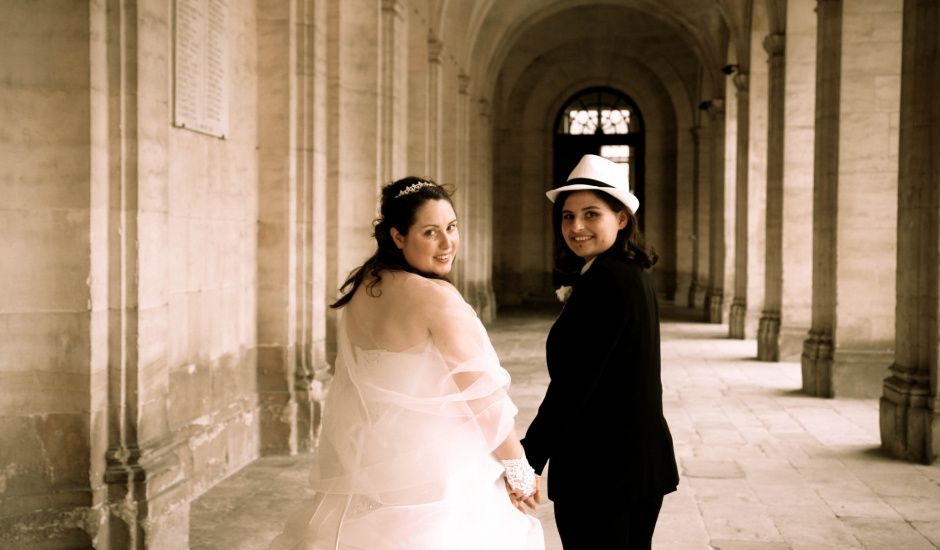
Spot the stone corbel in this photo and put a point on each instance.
(435, 49)
(775, 44)
(484, 108)
(716, 108)
(394, 7)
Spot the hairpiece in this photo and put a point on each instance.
(420, 184)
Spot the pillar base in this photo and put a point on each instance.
(816, 363)
(714, 302)
(694, 291)
(150, 488)
(736, 319)
(278, 409)
(768, 337)
(148, 497)
(907, 423)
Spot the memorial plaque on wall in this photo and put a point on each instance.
(201, 66)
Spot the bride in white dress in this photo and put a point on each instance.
(418, 447)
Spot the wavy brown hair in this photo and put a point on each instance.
(396, 210)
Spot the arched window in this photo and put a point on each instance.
(597, 110)
(602, 121)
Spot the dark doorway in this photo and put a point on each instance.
(600, 121)
(593, 121)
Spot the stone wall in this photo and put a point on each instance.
(128, 348)
(45, 325)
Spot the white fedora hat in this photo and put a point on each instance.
(598, 174)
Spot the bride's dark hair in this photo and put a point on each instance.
(399, 203)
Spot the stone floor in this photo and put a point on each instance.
(762, 465)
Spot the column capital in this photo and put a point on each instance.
(435, 49)
(775, 43)
(716, 107)
(395, 7)
(484, 108)
(463, 84)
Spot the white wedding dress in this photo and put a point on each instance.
(405, 450)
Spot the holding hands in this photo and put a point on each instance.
(522, 484)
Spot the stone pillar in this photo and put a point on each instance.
(484, 148)
(817, 349)
(856, 186)
(393, 98)
(694, 285)
(798, 132)
(148, 488)
(466, 191)
(756, 166)
(910, 409)
(313, 371)
(738, 310)
(703, 210)
(768, 333)
(286, 270)
(417, 121)
(729, 183)
(480, 180)
(353, 164)
(434, 67)
(714, 299)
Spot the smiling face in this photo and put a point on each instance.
(588, 224)
(431, 242)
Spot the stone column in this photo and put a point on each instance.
(484, 148)
(285, 156)
(353, 164)
(465, 198)
(393, 98)
(435, 69)
(910, 408)
(817, 349)
(768, 333)
(714, 299)
(851, 342)
(480, 179)
(416, 123)
(694, 286)
(798, 132)
(703, 211)
(756, 166)
(738, 311)
(313, 371)
(148, 489)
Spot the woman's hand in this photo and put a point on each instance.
(521, 501)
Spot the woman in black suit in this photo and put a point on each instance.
(603, 357)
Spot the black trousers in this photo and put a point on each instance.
(590, 524)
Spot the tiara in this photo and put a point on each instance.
(421, 184)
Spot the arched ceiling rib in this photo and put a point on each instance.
(592, 31)
(490, 38)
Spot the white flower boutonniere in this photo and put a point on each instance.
(563, 292)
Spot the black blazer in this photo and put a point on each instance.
(605, 393)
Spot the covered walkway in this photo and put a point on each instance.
(763, 466)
